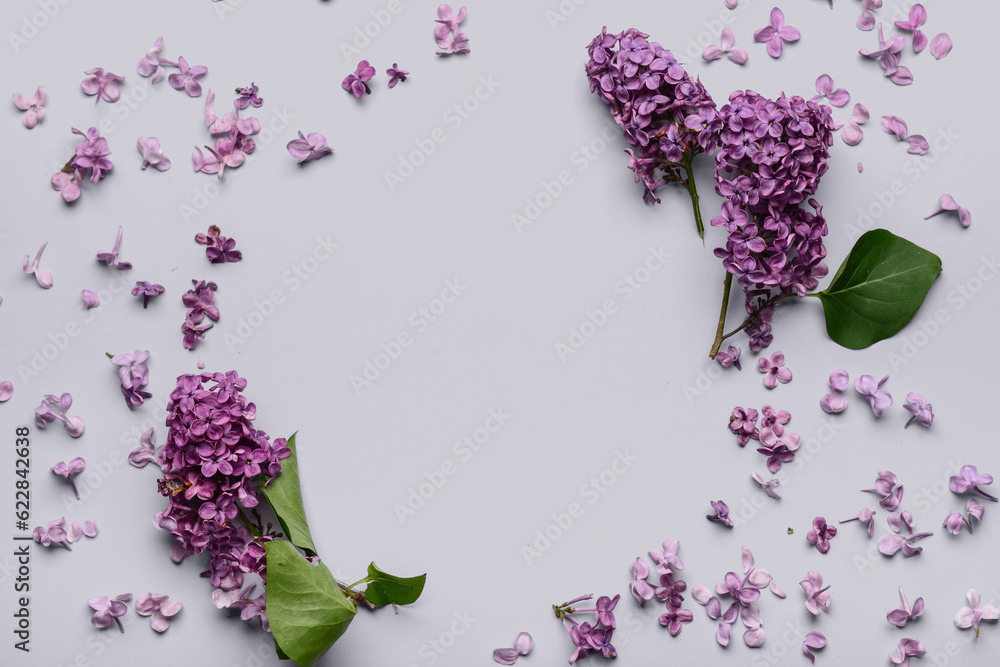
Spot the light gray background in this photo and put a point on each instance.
(494, 347)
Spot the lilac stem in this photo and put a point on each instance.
(119, 623)
(693, 190)
(727, 287)
(73, 484)
(984, 494)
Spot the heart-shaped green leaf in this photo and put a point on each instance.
(878, 289)
(386, 589)
(285, 497)
(306, 608)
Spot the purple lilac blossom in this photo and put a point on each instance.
(771, 157)
(666, 115)
(210, 462)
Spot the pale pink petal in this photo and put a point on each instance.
(866, 21)
(44, 278)
(724, 633)
(941, 45)
(6, 390)
(774, 46)
(21, 102)
(852, 134)
(710, 53)
(90, 298)
(738, 55)
(90, 85)
(754, 638)
(728, 40)
(90, 528)
(918, 144)
(964, 618)
(839, 97)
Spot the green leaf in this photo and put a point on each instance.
(306, 609)
(285, 497)
(878, 289)
(384, 589)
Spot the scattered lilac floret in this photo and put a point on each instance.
(814, 640)
(821, 534)
(971, 616)
(836, 402)
(866, 21)
(955, 522)
(133, 374)
(45, 414)
(824, 86)
(888, 56)
(948, 203)
(864, 516)
(111, 258)
(941, 45)
(33, 108)
(446, 34)
(147, 290)
(767, 485)
(907, 648)
(103, 84)
(918, 17)
(728, 48)
(109, 610)
(900, 616)
(884, 485)
(160, 607)
(640, 587)
(897, 126)
(970, 480)
(778, 450)
(877, 397)
(891, 544)
(150, 64)
(52, 533)
(356, 83)
(731, 357)
(42, 276)
(921, 410)
(248, 97)
(396, 75)
(151, 154)
(187, 78)
(774, 370)
(721, 513)
(817, 597)
(145, 453)
(90, 299)
(308, 148)
(897, 520)
(744, 424)
(68, 470)
(68, 183)
(220, 248)
(852, 133)
(776, 34)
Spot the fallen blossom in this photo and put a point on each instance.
(111, 258)
(864, 516)
(728, 48)
(774, 370)
(151, 154)
(970, 617)
(160, 607)
(103, 84)
(150, 63)
(900, 616)
(33, 108)
(6, 390)
(356, 83)
(44, 414)
(109, 610)
(852, 133)
(817, 598)
(767, 485)
(921, 410)
(396, 75)
(897, 126)
(877, 397)
(721, 513)
(308, 148)
(836, 402)
(824, 86)
(187, 78)
(68, 470)
(948, 203)
(90, 298)
(776, 34)
(907, 648)
(814, 640)
(42, 276)
(891, 544)
(970, 480)
(917, 17)
(821, 534)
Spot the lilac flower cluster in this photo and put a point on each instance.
(743, 591)
(91, 157)
(670, 587)
(134, 375)
(45, 414)
(667, 116)
(211, 462)
(586, 636)
(232, 138)
(201, 302)
(219, 248)
(771, 157)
